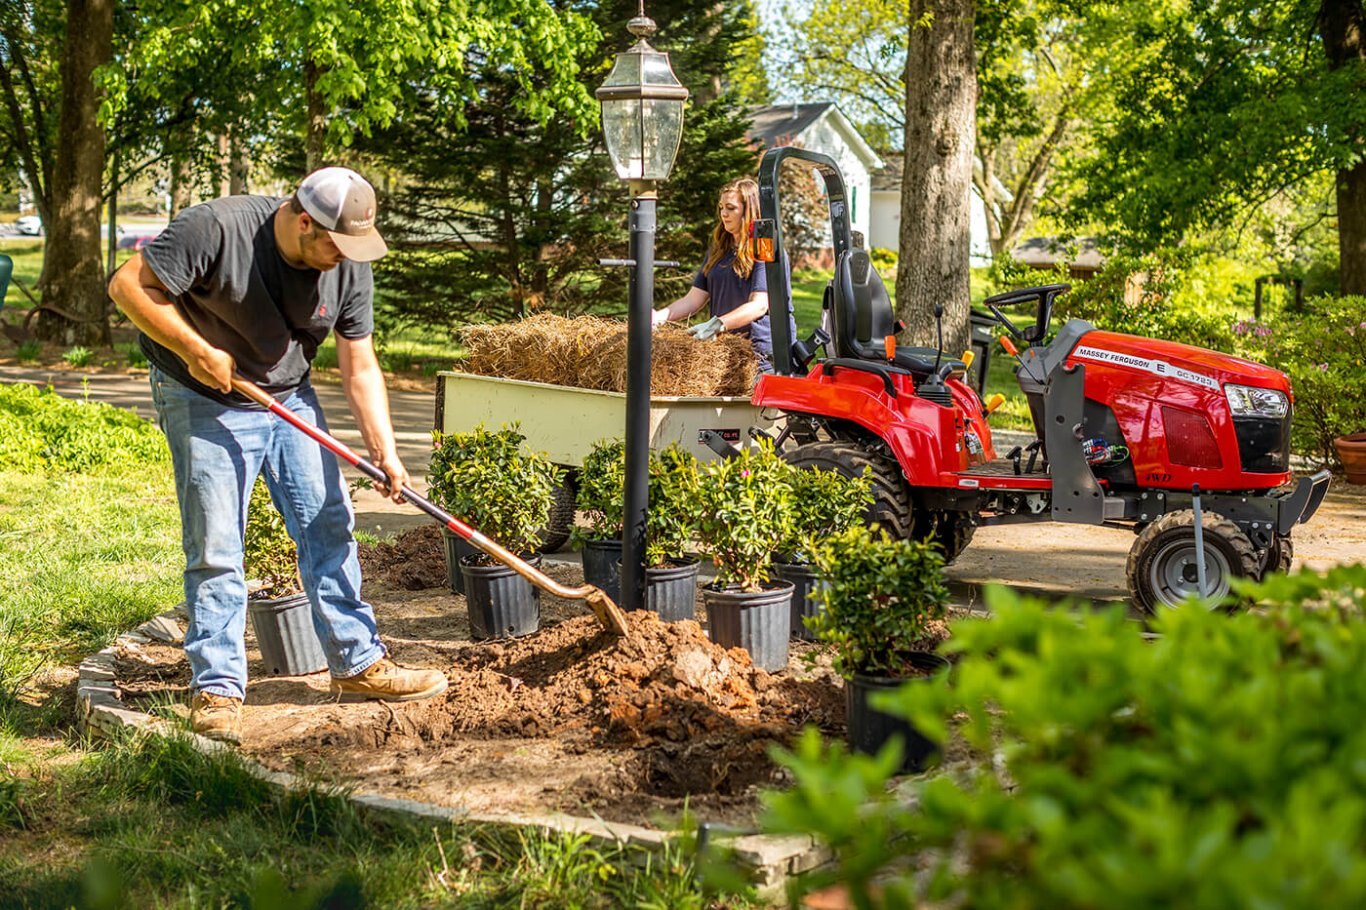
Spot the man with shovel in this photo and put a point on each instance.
(250, 286)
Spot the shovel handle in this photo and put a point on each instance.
(607, 612)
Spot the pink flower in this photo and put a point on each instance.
(1323, 368)
(745, 472)
(1263, 331)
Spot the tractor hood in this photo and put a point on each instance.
(1181, 362)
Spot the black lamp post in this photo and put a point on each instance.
(642, 122)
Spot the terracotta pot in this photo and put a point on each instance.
(1352, 453)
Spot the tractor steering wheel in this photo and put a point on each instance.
(1001, 318)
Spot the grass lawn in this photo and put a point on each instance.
(151, 822)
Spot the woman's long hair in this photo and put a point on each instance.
(722, 241)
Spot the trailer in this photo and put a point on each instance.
(565, 422)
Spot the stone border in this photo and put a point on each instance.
(770, 859)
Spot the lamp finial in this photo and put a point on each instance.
(642, 26)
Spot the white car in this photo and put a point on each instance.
(31, 225)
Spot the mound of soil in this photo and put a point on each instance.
(413, 561)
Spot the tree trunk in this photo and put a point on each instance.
(1342, 23)
(936, 189)
(182, 184)
(239, 166)
(74, 299)
(315, 126)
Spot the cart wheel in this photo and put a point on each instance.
(951, 531)
(556, 533)
(1162, 569)
(891, 497)
(1278, 557)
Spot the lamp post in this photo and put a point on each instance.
(642, 123)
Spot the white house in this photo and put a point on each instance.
(820, 127)
(885, 219)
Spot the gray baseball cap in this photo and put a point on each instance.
(343, 204)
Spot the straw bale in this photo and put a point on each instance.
(590, 353)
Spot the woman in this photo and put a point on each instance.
(730, 282)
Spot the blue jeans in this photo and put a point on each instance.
(218, 452)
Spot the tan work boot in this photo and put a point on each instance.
(388, 681)
(217, 717)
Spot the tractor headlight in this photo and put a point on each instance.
(1245, 401)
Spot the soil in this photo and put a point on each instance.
(568, 719)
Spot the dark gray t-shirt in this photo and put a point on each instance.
(227, 278)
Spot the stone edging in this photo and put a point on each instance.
(770, 859)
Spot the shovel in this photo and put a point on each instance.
(607, 612)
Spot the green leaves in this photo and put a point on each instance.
(269, 555)
(602, 482)
(744, 511)
(42, 431)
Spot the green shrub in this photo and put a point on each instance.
(326, 358)
(602, 480)
(670, 520)
(134, 356)
(78, 356)
(1216, 765)
(29, 351)
(743, 508)
(824, 504)
(269, 555)
(489, 481)
(1324, 353)
(880, 597)
(41, 430)
(884, 260)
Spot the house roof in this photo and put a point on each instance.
(784, 124)
(1045, 252)
(888, 177)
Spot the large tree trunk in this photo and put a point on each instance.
(315, 125)
(239, 165)
(936, 188)
(1342, 23)
(74, 300)
(182, 183)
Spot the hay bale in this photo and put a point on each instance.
(590, 353)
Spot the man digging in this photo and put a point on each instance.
(252, 285)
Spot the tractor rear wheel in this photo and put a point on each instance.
(562, 507)
(891, 506)
(952, 531)
(1162, 570)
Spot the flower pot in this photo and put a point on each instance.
(806, 587)
(602, 566)
(1352, 454)
(501, 603)
(284, 633)
(758, 621)
(671, 591)
(870, 729)
(456, 547)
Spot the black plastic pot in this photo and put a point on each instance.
(501, 603)
(758, 621)
(456, 548)
(284, 633)
(602, 566)
(870, 729)
(806, 585)
(671, 591)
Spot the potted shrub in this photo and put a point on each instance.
(670, 573)
(281, 615)
(881, 597)
(824, 504)
(490, 481)
(743, 508)
(602, 480)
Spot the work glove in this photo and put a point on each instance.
(709, 329)
(659, 317)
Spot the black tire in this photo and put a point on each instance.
(952, 531)
(1278, 557)
(556, 532)
(891, 497)
(1161, 568)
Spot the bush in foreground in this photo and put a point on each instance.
(42, 431)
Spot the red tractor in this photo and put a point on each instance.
(1131, 432)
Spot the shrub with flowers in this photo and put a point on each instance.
(743, 507)
(1324, 353)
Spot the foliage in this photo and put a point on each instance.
(1324, 353)
(1214, 765)
(269, 556)
(78, 356)
(29, 351)
(487, 479)
(41, 431)
(670, 520)
(602, 484)
(880, 596)
(824, 504)
(884, 260)
(743, 509)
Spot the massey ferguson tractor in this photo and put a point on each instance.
(1132, 432)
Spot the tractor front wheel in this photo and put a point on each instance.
(1162, 569)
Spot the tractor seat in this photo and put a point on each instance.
(861, 316)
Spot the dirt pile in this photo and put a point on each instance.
(413, 561)
(695, 717)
